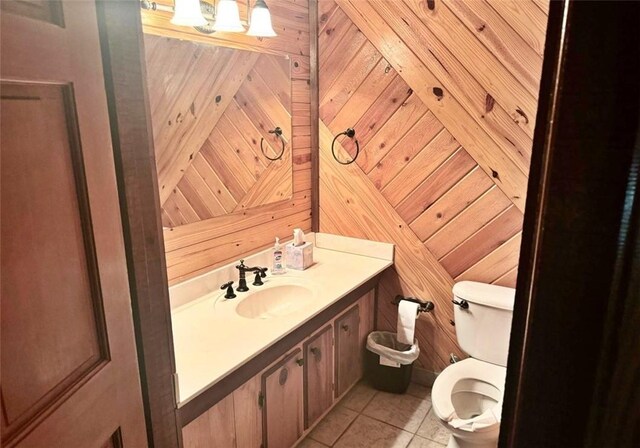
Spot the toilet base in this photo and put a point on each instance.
(456, 442)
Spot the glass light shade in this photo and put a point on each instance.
(228, 17)
(261, 21)
(187, 13)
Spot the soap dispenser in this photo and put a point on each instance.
(278, 259)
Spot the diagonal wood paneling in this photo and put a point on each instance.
(229, 172)
(199, 246)
(231, 163)
(187, 104)
(442, 96)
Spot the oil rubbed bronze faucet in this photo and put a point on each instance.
(242, 280)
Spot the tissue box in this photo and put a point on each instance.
(299, 257)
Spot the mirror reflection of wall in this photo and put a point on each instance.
(212, 111)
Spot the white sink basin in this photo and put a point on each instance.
(274, 301)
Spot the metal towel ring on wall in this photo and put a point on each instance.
(350, 132)
(278, 132)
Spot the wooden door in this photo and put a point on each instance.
(347, 330)
(318, 369)
(283, 402)
(69, 368)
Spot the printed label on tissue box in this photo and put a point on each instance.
(388, 362)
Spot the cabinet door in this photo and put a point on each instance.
(283, 402)
(347, 330)
(318, 368)
(215, 428)
(367, 317)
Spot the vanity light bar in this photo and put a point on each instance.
(260, 11)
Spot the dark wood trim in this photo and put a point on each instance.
(125, 78)
(615, 412)
(305, 385)
(315, 115)
(208, 398)
(588, 123)
(376, 297)
(538, 172)
(263, 388)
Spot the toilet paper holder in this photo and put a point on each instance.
(425, 306)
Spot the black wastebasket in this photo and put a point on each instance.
(389, 363)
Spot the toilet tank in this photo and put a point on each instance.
(483, 328)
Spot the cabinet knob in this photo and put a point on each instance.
(316, 353)
(284, 375)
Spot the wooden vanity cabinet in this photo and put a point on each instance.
(318, 375)
(275, 407)
(348, 353)
(282, 395)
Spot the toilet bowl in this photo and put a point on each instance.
(467, 399)
(467, 396)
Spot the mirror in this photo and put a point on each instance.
(221, 120)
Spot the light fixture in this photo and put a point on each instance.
(260, 24)
(228, 17)
(187, 13)
(224, 16)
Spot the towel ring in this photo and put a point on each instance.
(278, 132)
(350, 132)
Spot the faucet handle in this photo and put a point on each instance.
(229, 287)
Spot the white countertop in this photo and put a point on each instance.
(211, 340)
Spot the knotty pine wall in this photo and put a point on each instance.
(210, 162)
(196, 247)
(443, 96)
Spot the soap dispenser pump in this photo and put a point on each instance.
(278, 259)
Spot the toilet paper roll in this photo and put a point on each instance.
(407, 314)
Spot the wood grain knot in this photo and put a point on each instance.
(489, 102)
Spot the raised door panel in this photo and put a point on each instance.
(347, 345)
(44, 10)
(318, 367)
(52, 317)
(213, 429)
(283, 402)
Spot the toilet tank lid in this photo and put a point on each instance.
(482, 293)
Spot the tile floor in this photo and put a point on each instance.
(367, 418)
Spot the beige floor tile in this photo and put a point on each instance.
(359, 396)
(404, 411)
(432, 429)
(310, 443)
(420, 391)
(366, 432)
(419, 442)
(333, 425)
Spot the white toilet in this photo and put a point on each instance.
(467, 396)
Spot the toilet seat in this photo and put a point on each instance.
(486, 375)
